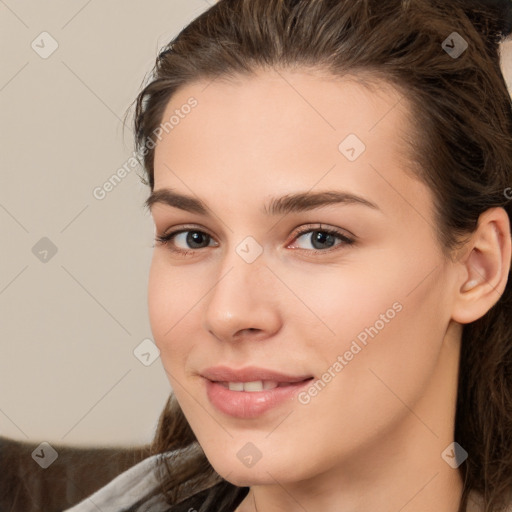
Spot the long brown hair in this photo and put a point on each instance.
(462, 146)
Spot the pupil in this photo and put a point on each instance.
(322, 238)
(194, 237)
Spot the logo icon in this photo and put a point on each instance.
(249, 249)
(146, 352)
(352, 147)
(44, 45)
(45, 455)
(44, 250)
(455, 45)
(454, 455)
(249, 455)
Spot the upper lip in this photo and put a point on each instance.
(248, 374)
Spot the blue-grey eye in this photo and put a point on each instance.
(192, 239)
(321, 239)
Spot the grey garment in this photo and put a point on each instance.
(137, 490)
(129, 491)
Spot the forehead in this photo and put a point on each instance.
(281, 129)
(273, 109)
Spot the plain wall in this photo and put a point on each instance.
(70, 324)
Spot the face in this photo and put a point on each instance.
(305, 257)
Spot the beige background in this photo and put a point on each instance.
(69, 325)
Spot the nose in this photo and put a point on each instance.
(243, 302)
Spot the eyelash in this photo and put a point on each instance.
(165, 239)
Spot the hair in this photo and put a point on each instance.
(461, 114)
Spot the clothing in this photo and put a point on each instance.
(126, 491)
(136, 490)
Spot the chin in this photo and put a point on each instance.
(262, 472)
(248, 477)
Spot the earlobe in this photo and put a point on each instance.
(485, 267)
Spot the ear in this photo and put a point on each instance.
(485, 266)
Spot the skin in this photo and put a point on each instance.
(372, 439)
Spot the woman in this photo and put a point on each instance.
(331, 190)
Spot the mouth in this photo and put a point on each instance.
(250, 392)
(250, 375)
(257, 385)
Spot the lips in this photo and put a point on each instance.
(250, 374)
(250, 392)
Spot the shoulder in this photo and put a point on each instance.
(138, 489)
(127, 490)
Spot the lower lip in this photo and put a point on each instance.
(250, 404)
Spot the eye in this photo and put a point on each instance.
(321, 239)
(315, 239)
(189, 240)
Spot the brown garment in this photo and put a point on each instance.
(77, 472)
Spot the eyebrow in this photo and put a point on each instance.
(290, 203)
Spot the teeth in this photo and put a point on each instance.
(257, 385)
(236, 386)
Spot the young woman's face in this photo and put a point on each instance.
(305, 258)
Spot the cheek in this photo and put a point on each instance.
(341, 303)
(173, 296)
(388, 317)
